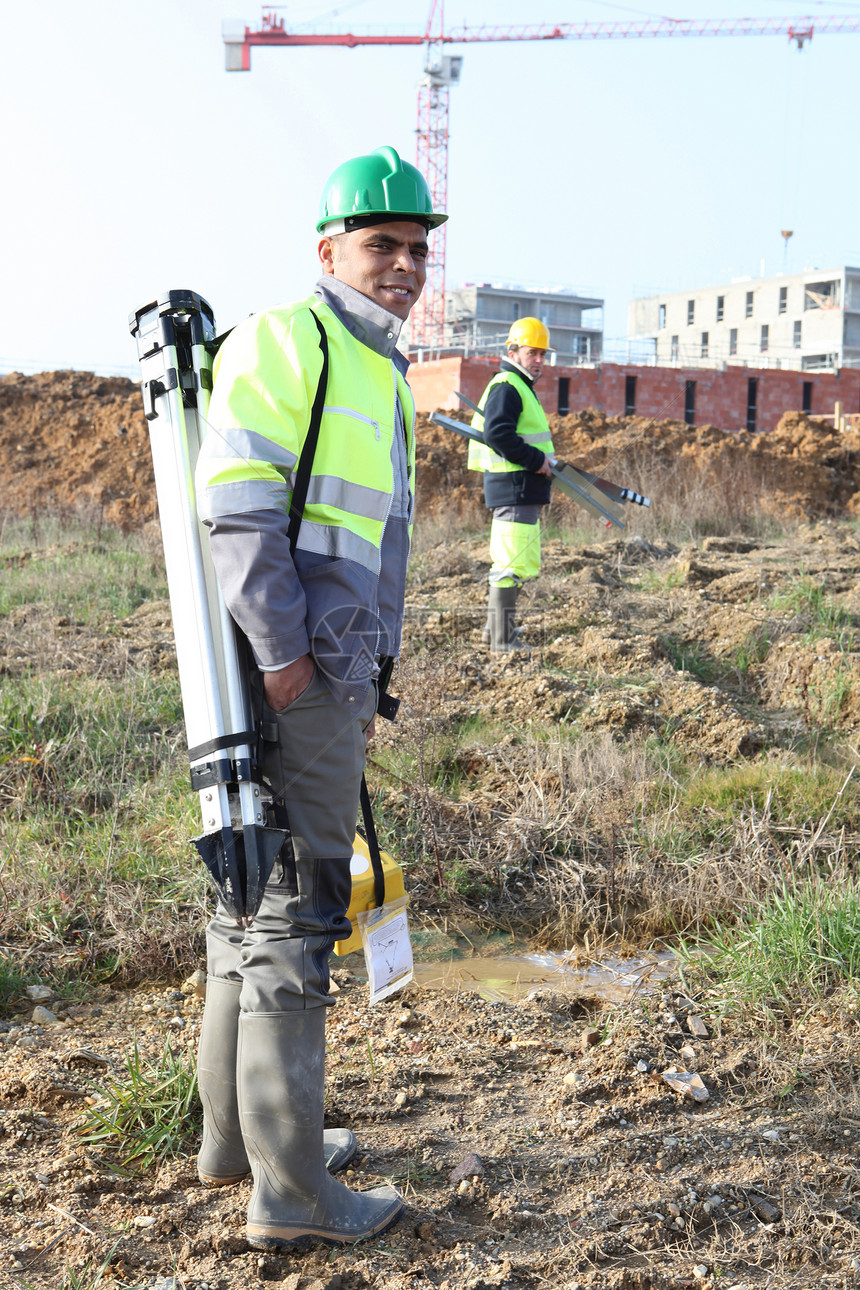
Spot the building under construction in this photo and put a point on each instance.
(809, 321)
(736, 356)
(478, 317)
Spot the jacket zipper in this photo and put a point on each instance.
(356, 416)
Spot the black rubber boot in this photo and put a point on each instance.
(222, 1159)
(504, 634)
(295, 1201)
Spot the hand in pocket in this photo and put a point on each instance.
(283, 687)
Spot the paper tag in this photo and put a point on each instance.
(387, 948)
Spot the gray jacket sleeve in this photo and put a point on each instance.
(259, 583)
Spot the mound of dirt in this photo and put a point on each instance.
(75, 439)
(80, 440)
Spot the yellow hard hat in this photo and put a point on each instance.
(529, 331)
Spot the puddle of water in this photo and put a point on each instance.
(517, 977)
(497, 967)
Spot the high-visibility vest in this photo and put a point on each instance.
(265, 381)
(532, 426)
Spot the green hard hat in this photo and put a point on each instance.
(380, 185)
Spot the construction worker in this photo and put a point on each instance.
(514, 458)
(319, 619)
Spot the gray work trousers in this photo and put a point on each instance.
(317, 764)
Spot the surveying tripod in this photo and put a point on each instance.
(242, 835)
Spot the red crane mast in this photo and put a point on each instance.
(442, 70)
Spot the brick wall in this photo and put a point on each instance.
(720, 397)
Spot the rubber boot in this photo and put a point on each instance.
(295, 1201)
(222, 1159)
(486, 630)
(504, 635)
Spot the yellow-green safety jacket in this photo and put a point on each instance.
(340, 596)
(516, 436)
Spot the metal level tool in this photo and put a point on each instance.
(584, 494)
(615, 492)
(241, 835)
(575, 474)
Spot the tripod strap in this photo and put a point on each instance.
(223, 741)
(306, 460)
(372, 846)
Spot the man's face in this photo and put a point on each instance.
(529, 358)
(386, 262)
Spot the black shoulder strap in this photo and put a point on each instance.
(212, 346)
(306, 460)
(372, 846)
(297, 506)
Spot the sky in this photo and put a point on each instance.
(134, 163)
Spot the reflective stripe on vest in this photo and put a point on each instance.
(532, 427)
(266, 378)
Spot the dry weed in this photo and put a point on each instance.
(698, 495)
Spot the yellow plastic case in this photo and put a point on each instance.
(363, 895)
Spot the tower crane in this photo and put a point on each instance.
(443, 69)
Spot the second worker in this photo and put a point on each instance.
(515, 460)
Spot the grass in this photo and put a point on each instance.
(148, 1114)
(794, 795)
(414, 1176)
(524, 820)
(13, 980)
(95, 812)
(86, 571)
(657, 580)
(690, 656)
(92, 1275)
(752, 650)
(819, 613)
(802, 942)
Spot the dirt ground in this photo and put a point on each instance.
(536, 1140)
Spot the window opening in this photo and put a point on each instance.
(690, 402)
(752, 403)
(821, 295)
